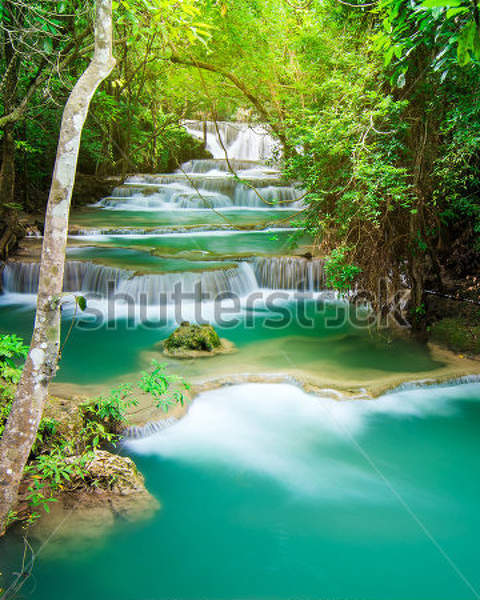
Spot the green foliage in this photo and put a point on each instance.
(446, 29)
(57, 468)
(46, 434)
(12, 354)
(158, 383)
(112, 408)
(339, 271)
(81, 302)
(457, 169)
(12, 349)
(131, 126)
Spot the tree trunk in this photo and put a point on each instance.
(41, 364)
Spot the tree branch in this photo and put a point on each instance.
(263, 112)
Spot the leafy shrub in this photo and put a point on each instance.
(12, 354)
(157, 382)
(339, 271)
(110, 410)
(193, 337)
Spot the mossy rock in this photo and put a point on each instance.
(113, 489)
(190, 340)
(61, 421)
(457, 334)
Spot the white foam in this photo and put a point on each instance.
(17, 299)
(284, 433)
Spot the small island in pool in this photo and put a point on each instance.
(191, 340)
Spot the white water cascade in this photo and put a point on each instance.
(243, 180)
(278, 273)
(290, 273)
(201, 191)
(241, 141)
(221, 166)
(87, 277)
(262, 427)
(150, 288)
(22, 277)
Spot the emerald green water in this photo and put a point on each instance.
(270, 493)
(141, 260)
(219, 242)
(330, 344)
(94, 218)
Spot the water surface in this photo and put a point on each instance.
(268, 492)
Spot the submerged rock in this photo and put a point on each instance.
(190, 340)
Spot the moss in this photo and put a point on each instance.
(193, 337)
(458, 334)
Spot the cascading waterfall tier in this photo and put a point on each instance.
(150, 288)
(290, 273)
(240, 141)
(285, 272)
(164, 192)
(221, 166)
(86, 277)
(242, 179)
(22, 277)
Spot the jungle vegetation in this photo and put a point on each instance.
(375, 105)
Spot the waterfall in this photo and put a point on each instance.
(279, 273)
(273, 196)
(202, 192)
(221, 166)
(138, 432)
(22, 277)
(168, 196)
(150, 288)
(210, 183)
(241, 140)
(290, 273)
(86, 277)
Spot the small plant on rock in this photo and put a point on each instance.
(157, 382)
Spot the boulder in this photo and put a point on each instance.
(117, 491)
(190, 340)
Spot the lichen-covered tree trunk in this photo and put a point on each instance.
(41, 364)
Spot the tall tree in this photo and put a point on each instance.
(21, 427)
